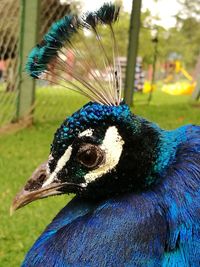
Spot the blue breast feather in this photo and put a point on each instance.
(159, 227)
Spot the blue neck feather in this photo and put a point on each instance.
(169, 142)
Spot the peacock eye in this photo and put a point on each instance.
(90, 156)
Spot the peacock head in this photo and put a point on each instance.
(103, 149)
(100, 151)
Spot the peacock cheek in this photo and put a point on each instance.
(75, 173)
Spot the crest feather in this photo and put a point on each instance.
(48, 59)
(108, 13)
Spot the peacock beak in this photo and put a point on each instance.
(34, 188)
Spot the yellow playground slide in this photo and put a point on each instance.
(180, 87)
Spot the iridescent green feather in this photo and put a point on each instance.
(108, 13)
(61, 31)
(41, 55)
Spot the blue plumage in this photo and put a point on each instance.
(159, 227)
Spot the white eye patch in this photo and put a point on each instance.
(112, 145)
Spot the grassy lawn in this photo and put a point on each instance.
(21, 152)
(8, 104)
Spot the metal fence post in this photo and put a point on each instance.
(132, 51)
(28, 38)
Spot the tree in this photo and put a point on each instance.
(189, 8)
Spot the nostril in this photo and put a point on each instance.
(37, 178)
(33, 185)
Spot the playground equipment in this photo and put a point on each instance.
(181, 87)
(148, 87)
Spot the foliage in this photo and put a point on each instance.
(187, 35)
(189, 8)
(188, 20)
(146, 48)
(183, 39)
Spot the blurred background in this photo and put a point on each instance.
(163, 85)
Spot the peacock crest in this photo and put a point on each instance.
(48, 58)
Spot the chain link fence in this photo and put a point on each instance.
(51, 102)
(9, 45)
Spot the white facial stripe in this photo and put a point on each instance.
(112, 145)
(61, 163)
(88, 132)
(49, 159)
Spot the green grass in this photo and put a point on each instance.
(53, 103)
(21, 152)
(8, 105)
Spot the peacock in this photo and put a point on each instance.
(136, 186)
